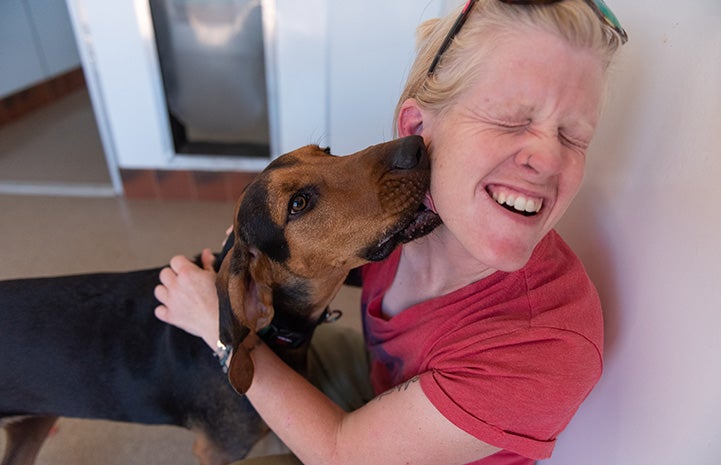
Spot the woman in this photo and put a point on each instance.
(486, 335)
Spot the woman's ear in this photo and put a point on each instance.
(410, 119)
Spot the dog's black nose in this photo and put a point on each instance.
(409, 153)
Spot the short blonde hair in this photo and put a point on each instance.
(573, 20)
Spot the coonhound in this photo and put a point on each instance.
(89, 346)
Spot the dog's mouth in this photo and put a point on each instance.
(417, 225)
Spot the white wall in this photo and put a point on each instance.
(370, 49)
(647, 224)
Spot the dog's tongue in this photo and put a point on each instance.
(428, 202)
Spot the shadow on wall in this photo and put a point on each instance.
(589, 235)
(592, 223)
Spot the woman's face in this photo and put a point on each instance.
(508, 157)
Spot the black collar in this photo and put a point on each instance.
(276, 335)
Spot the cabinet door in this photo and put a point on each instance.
(55, 35)
(20, 62)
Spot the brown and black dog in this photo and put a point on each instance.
(89, 346)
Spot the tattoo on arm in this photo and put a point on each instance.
(400, 388)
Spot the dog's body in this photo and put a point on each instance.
(89, 346)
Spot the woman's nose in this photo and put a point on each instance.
(543, 155)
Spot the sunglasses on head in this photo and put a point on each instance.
(599, 7)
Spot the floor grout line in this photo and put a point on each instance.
(57, 189)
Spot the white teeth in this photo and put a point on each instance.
(518, 202)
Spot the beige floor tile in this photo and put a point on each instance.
(59, 143)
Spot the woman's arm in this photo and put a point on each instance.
(398, 427)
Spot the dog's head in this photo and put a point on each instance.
(303, 224)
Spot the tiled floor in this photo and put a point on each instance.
(50, 235)
(56, 144)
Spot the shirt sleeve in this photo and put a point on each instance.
(516, 391)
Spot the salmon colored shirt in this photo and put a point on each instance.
(507, 359)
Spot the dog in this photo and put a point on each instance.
(89, 346)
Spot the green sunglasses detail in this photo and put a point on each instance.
(599, 7)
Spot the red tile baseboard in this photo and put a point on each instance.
(19, 104)
(214, 186)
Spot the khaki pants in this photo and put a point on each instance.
(338, 365)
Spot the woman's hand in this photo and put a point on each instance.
(188, 298)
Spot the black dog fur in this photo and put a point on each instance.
(130, 367)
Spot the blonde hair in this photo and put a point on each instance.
(490, 20)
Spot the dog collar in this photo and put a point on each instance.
(276, 335)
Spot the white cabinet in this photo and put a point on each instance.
(334, 69)
(36, 43)
(55, 35)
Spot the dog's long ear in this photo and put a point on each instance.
(245, 296)
(252, 302)
(226, 319)
(259, 311)
(231, 288)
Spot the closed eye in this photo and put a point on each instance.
(520, 125)
(574, 142)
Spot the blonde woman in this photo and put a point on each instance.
(486, 335)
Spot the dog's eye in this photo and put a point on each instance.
(326, 149)
(298, 204)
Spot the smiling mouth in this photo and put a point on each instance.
(516, 202)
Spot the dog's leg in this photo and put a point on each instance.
(24, 439)
(207, 452)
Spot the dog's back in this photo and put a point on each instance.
(89, 346)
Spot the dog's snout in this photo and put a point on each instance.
(408, 154)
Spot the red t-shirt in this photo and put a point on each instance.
(507, 359)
